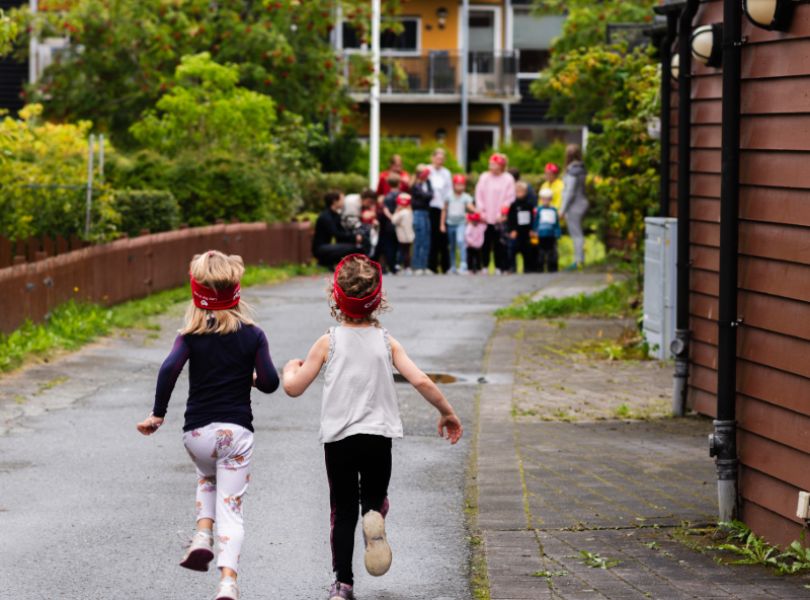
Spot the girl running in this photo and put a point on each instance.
(227, 353)
(360, 414)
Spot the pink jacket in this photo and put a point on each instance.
(492, 193)
(474, 234)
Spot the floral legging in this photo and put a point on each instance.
(221, 452)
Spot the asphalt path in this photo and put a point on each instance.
(90, 509)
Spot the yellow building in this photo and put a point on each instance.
(421, 74)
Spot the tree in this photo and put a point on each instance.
(614, 90)
(123, 55)
(8, 33)
(221, 149)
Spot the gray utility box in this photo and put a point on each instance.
(660, 282)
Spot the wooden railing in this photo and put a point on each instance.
(135, 267)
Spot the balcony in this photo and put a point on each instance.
(435, 77)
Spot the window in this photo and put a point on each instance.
(533, 36)
(407, 40)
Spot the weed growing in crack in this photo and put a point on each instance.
(596, 561)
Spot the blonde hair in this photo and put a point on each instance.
(216, 270)
(358, 278)
(521, 186)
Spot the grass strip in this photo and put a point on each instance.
(619, 299)
(74, 324)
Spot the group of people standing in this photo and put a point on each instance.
(428, 223)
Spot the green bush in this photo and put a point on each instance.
(411, 152)
(43, 175)
(154, 210)
(524, 157)
(213, 186)
(317, 184)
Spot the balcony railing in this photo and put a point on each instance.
(437, 72)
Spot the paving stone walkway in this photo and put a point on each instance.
(560, 474)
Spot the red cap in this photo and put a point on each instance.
(212, 299)
(474, 217)
(357, 308)
(553, 168)
(404, 200)
(498, 159)
(423, 174)
(459, 180)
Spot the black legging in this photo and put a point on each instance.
(493, 245)
(359, 469)
(439, 256)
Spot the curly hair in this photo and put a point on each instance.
(357, 278)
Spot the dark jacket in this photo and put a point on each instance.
(329, 230)
(421, 195)
(521, 216)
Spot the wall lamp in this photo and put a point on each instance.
(773, 15)
(675, 66)
(707, 44)
(441, 15)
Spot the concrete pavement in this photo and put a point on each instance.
(89, 509)
(577, 454)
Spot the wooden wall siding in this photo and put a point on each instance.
(773, 380)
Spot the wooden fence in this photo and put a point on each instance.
(136, 267)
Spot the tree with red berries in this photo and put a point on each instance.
(123, 55)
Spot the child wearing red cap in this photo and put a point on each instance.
(227, 355)
(555, 184)
(403, 223)
(454, 217)
(474, 239)
(360, 414)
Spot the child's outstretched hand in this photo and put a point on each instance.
(150, 425)
(450, 428)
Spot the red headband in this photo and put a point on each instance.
(358, 308)
(210, 299)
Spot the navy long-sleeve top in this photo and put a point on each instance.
(220, 376)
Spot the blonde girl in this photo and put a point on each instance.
(227, 354)
(360, 414)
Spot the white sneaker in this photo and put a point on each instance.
(419, 272)
(200, 552)
(378, 553)
(227, 590)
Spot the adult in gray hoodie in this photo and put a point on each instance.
(575, 202)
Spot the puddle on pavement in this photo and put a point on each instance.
(466, 378)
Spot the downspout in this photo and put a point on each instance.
(723, 442)
(665, 53)
(680, 345)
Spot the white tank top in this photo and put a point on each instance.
(359, 394)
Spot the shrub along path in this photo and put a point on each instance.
(584, 484)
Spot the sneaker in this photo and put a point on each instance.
(228, 590)
(378, 552)
(341, 591)
(200, 552)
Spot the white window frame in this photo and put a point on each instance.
(498, 24)
(496, 135)
(364, 49)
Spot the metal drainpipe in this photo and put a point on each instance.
(723, 442)
(666, 104)
(680, 345)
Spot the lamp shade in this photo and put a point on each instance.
(770, 14)
(707, 44)
(676, 65)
